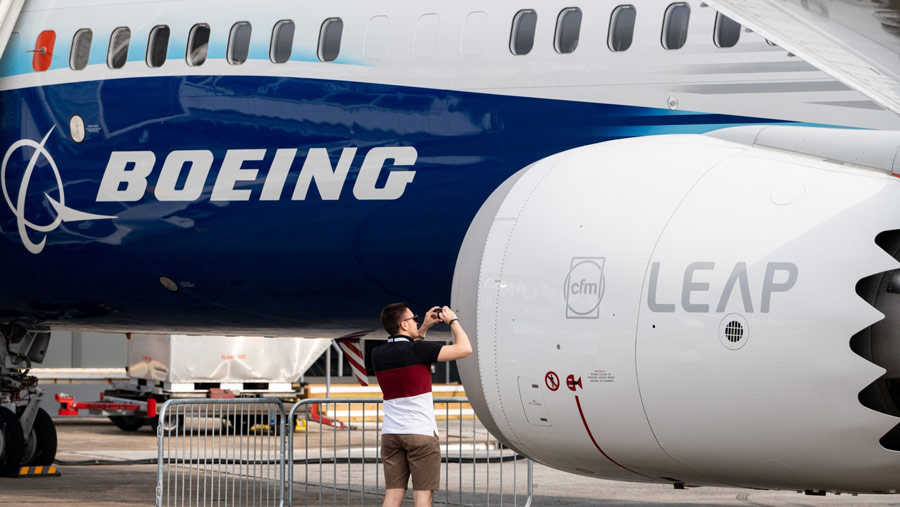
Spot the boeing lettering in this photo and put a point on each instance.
(126, 174)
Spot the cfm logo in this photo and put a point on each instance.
(584, 287)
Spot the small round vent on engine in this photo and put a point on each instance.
(734, 331)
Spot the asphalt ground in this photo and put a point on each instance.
(84, 442)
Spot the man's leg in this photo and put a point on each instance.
(423, 498)
(393, 497)
(396, 469)
(424, 455)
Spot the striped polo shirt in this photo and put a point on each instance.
(403, 370)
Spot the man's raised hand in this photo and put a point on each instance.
(447, 315)
(431, 317)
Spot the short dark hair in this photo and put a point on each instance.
(390, 316)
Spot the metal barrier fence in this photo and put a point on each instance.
(241, 452)
(221, 452)
(350, 453)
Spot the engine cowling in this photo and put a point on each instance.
(681, 309)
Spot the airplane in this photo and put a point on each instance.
(669, 227)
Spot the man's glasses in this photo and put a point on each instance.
(415, 318)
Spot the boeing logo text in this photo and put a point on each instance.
(126, 174)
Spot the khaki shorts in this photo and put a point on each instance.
(419, 455)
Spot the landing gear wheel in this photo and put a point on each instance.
(40, 446)
(12, 443)
(128, 422)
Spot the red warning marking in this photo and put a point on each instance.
(571, 383)
(552, 380)
(584, 421)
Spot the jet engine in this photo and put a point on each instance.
(701, 309)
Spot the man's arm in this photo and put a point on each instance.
(461, 346)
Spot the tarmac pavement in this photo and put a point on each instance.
(85, 441)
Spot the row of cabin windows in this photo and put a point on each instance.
(568, 29)
(198, 42)
(621, 29)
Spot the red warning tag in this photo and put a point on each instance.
(573, 384)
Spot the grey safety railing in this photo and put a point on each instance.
(221, 452)
(341, 457)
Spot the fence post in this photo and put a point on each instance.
(530, 483)
(159, 456)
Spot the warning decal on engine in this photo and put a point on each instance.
(601, 376)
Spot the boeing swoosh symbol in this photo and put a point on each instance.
(63, 212)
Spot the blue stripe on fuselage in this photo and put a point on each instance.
(278, 264)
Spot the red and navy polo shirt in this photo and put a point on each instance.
(403, 370)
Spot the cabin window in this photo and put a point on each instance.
(521, 39)
(282, 41)
(81, 49)
(158, 46)
(675, 26)
(198, 44)
(377, 33)
(568, 28)
(118, 47)
(474, 33)
(621, 28)
(330, 39)
(428, 31)
(239, 43)
(727, 31)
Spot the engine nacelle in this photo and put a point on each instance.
(681, 309)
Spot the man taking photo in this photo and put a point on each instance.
(409, 442)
